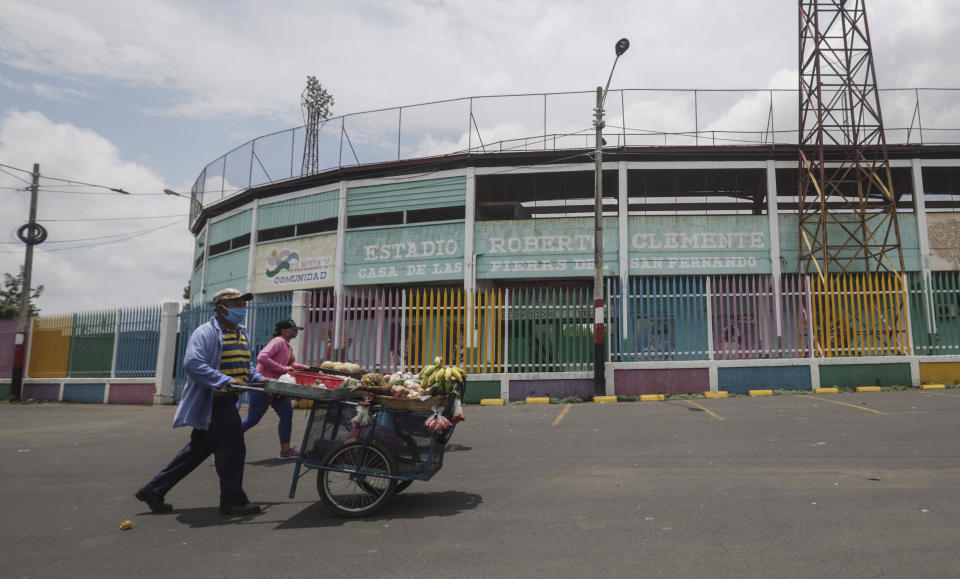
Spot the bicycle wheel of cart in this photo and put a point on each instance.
(356, 494)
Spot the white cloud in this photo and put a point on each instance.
(145, 269)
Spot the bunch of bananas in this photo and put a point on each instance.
(439, 379)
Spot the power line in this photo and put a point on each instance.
(12, 175)
(124, 237)
(118, 218)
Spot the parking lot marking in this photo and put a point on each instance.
(561, 415)
(846, 404)
(705, 409)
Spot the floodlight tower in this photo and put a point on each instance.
(846, 202)
(315, 102)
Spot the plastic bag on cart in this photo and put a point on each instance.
(437, 423)
(362, 418)
(384, 431)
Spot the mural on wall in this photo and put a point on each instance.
(544, 248)
(295, 264)
(699, 244)
(943, 230)
(404, 254)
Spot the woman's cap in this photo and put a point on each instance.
(288, 324)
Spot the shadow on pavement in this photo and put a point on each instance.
(406, 505)
(275, 461)
(211, 517)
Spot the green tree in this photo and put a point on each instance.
(10, 296)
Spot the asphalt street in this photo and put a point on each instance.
(833, 485)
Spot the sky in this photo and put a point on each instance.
(140, 96)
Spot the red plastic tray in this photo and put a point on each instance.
(310, 378)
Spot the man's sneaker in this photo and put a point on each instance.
(153, 500)
(247, 509)
(292, 453)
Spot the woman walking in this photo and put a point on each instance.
(275, 360)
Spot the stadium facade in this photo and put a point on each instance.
(700, 246)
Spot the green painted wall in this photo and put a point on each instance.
(227, 270)
(699, 244)
(854, 375)
(543, 248)
(402, 254)
(5, 391)
(198, 246)
(231, 227)
(448, 192)
(789, 240)
(478, 390)
(300, 210)
(196, 286)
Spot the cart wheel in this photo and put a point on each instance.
(357, 495)
(403, 484)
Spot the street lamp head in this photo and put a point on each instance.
(622, 45)
(172, 192)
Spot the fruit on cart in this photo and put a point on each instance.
(437, 422)
(457, 415)
(439, 379)
(340, 366)
(373, 380)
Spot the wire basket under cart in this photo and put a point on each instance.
(360, 469)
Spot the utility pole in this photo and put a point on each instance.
(599, 350)
(31, 234)
(599, 331)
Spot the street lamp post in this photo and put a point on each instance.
(599, 332)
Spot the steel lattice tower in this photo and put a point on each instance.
(315, 102)
(846, 201)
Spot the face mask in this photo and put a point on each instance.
(235, 315)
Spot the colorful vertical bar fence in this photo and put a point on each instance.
(658, 318)
(859, 315)
(138, 338)
(50, 346)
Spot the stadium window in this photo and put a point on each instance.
(377, 219)
(218, 248)
(436, 214)
(240, 241)
(321, 226)
(276, 233)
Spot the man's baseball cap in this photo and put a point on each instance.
(231, 294)
(288, 324)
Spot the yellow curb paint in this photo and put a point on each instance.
(561, 415)
(604, 399)
(826, 390)
(705, 409)
(846, 404)
(718, 394)
(491, 402)
(538, 400)
(651, 397)
(761, 393)
(868, 389)
(932, 387)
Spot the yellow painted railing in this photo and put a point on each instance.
(859, 315)
(50, 347)
(438, 324)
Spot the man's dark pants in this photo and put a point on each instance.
(223, 439)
